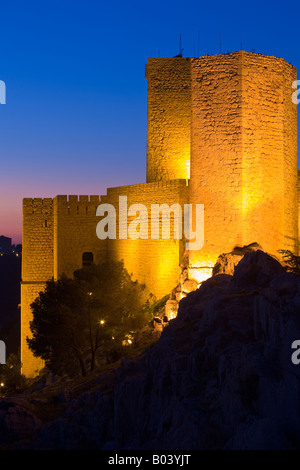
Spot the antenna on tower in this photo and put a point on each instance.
(180, 48)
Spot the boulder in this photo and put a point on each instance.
(171, 308)
(255, 269)
(226, 262)
(189, 285)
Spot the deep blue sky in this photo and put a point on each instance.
(75, 118)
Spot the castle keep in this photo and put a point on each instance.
(221, 131)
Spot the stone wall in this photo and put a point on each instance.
(56, 233)
(269, 131)
(154, 262)
(75, 224)
(168, 118)
(37, 267)
(244, 153)
(216, 141)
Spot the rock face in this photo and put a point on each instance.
(227, 261)
(220, 376)
(185, 286)
(17, 420)
(225, 264)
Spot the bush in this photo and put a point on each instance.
(291, 262)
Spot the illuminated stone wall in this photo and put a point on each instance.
(269, 133)
(75, 232)
(37, 267)
(154, 262)
(216, 169)
(56, 233)
(244, 153)
(168, 118)
(298, 204)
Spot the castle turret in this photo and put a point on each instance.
(244, 153)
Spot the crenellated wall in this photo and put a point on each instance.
(56, 233)
(75, 232)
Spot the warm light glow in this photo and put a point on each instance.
(101, 322)
(201, 273)
(183, 165)
(172, 314)
(127, 340)
(188, 169)
(181, 295)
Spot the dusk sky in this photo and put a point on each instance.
(75, 117)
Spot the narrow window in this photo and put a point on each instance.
(87, 259)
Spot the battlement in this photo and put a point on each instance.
(74, 205)
(44, 203)
(75, 199)
(37, 205)
(153, 186)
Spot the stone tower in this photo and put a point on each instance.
(228, 123)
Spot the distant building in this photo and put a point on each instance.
(17, 249)
(5, 244)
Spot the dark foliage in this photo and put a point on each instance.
(81, 321)
(291, 261)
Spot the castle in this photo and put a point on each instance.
(222, 132)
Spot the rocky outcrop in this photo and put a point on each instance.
(226, 262)
(17, 419)
(185, 286)
(219, 377)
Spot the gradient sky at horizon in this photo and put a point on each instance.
(75, 118)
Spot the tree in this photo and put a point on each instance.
(119, 305)
(57, 326)
(291, 261)
(76, 319)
